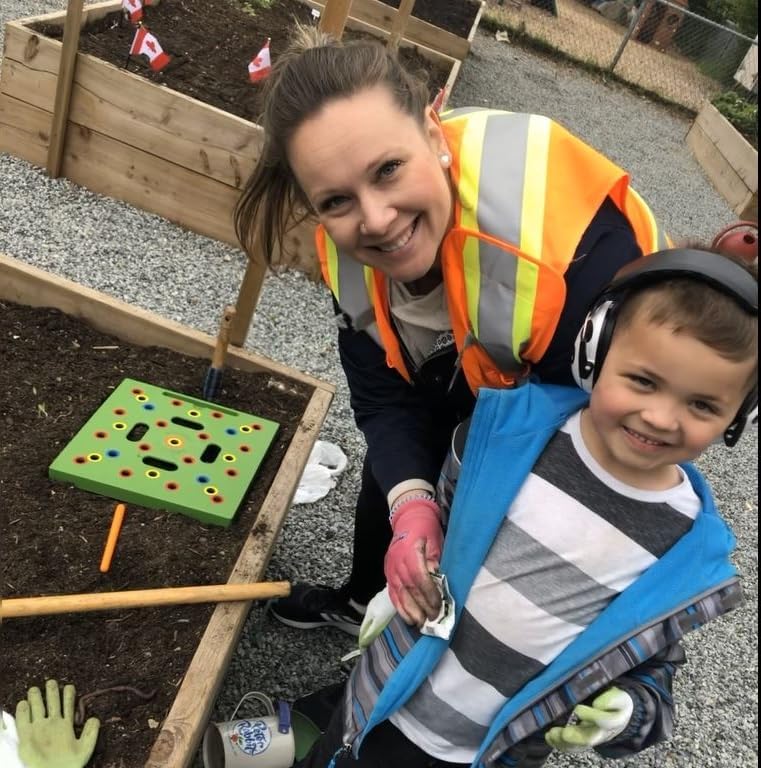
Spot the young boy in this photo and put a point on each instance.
(580, 547)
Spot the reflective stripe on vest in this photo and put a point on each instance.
(513, 238)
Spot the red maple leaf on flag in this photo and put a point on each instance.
(261, 65)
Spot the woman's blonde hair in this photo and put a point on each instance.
(315, 68)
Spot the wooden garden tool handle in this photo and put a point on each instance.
(141, 598)
(223, 337)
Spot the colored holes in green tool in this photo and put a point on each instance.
(149, 406)
(153, 474)
(203, 479)
(112, 453)
(142, 398)
(125, 472)
(231, 431)
(94, 457)
(101, 435)
(245, 448)
(193, 413)
(231, 472)
(120, 425)
(210, 490)
(174, 442)
(228, 457)
(171, 486)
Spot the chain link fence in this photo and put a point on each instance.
(657, 45)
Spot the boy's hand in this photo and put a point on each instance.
(414, 552)
(48, 741)
(604, 720)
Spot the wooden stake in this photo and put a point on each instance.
(399, 24)
(334, 15)
(18, 607)
(66, 68)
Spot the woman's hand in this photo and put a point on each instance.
(414, 553)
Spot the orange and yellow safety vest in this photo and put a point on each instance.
(526, 192)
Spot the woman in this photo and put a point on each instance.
(461, 251)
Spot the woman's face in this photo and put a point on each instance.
(377, 180)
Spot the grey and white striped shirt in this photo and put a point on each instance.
(572, 540)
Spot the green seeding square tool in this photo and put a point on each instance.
(165, 450)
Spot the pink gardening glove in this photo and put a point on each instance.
(414, 552)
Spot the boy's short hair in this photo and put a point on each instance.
(697, 308)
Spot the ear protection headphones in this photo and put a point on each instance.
(593, 340)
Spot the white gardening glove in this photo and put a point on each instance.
(604, 720)
(380, 610)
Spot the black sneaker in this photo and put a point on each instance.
(315, 605)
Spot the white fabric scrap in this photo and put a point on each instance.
(325, 463)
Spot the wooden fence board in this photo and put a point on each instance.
(719, 171)
(738, 152)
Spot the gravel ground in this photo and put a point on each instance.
(94, 240)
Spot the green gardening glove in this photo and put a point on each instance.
(604, 720)
(48, 741)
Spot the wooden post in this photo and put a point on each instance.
(65, 80)
(334, 15)
(248, 294)
(399, 24)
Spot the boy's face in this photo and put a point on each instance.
(661, 398)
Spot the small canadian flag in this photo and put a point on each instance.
(438, 102)
(261, 65)
(148, 45)
(134, 8)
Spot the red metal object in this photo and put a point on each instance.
(739, 239)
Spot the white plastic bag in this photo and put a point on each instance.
(324, 465)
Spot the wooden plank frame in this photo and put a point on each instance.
(729, 161)
(183, 728)
(153, 147)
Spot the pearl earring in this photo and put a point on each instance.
(445, 159)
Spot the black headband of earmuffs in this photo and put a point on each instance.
(722, 273)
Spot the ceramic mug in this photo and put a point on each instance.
(256, 742)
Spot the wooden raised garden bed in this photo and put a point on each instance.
(63, 348)
(728, 159)
(156, 148)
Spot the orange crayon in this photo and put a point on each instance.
(113, 536)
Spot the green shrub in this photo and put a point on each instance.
(742, 114)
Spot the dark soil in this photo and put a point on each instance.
(213, 41)
(52, 377)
